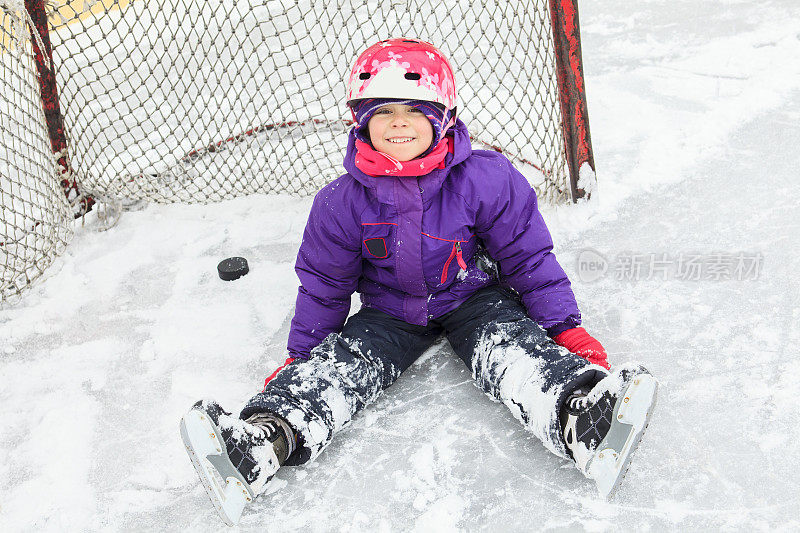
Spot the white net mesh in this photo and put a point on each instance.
(197, 101)
(202, 100)
(35, 217)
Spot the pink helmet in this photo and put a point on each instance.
(409, 69)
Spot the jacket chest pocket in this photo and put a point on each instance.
(377, 240)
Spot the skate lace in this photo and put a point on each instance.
(265, 422)
(275, 428)
(576, 402)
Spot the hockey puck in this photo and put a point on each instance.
(232, 268)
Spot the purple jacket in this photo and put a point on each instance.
(409, 246)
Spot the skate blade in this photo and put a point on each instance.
(632, 414)
(207, 451)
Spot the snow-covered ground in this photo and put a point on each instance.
(694, 110)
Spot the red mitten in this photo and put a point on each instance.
(577, 341)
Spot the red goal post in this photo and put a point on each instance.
(187, 101)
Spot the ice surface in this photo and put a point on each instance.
(694, 122)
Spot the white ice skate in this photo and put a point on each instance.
(215, 441)
(603, 427)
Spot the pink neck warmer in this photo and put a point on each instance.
(375, 163)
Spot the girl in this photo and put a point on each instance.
(438, 239)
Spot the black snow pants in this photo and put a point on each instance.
(511, 358)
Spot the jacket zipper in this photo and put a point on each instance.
(459, 258)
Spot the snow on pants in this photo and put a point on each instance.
(511, 358)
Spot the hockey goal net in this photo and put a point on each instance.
(116, 101)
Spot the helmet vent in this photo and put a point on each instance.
(412, 76)
(364, 76)
(410, 41)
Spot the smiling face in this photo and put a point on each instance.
(400, 131)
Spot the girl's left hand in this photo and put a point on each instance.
(577, 341)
